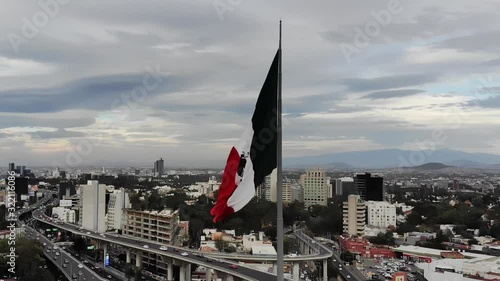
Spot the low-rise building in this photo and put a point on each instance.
(151, 225)
(64, 214)
(381, 214)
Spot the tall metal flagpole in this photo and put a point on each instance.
(279, 191)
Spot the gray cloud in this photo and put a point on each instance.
(9, 121)
(388, 82)
(492, 102)
(61, 133)
(67, 76)
(392, 94)
(95, 93)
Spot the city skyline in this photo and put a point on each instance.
(119, 80)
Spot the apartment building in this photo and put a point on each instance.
(151, 225)
(381, 214)
(354, 216)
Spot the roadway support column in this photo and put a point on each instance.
(170, 270)
(128, 258)
(182, 272)
(221, 275)
(208, 274)
(138, 259)
(325, 270)
(105, 252)
(188, 272)
(296, 271)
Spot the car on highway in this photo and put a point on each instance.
(184, 254)
(80, 265)
(348, 276)
(199, 255)
(65, 265)
(163, 248)
(233, 266)
(145, 246)
(209, 260)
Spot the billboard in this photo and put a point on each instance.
(64, 203)
(399, 276)
(106, 259)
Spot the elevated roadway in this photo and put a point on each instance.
(219, 265)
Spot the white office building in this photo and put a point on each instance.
(118, 200)
(316, 185)
(381, 214)
(64, 214)
(93, 206)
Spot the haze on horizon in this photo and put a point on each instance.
(429, 67)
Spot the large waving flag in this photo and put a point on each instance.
(255, 156)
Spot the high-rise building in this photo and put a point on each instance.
(381, 214)
(370, 188)
(118, 200)
(354, 215)
(456, 185)
(315, 185)
(158, 168)
(273, 185)
(345, 186)
(287, 191)
(66, 188)
(297, 193)
(93, 206)
(12, 167)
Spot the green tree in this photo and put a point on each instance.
(29, 262)
(219, 244)
(473, 241)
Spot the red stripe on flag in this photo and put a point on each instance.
(227, 187)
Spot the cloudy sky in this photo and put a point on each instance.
(115, 81)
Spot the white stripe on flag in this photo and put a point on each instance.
(246, 189)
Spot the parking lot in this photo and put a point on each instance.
(383, 269)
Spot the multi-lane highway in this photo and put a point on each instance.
(70, 266)
(346, 272)
(64, 261)
(172, 252)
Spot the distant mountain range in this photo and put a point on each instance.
(396, 158)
